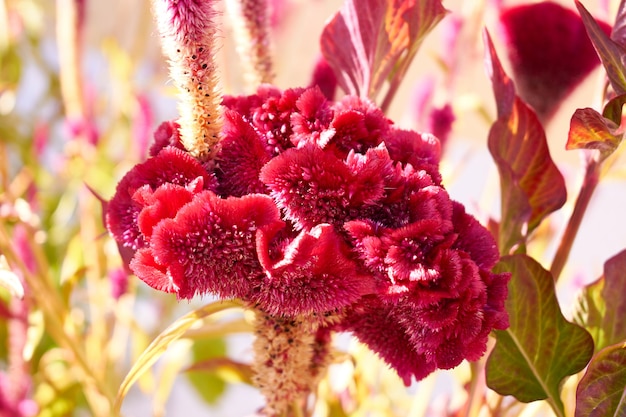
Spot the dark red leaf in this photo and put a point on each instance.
(531, 185)
(370, 41)
(610, 52)
(618, 34)
(602, 390)
(503, 87)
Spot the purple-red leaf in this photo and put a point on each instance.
(590, 130)
(370, 41)
(610, 52)
(531, 185)
(602, 305)
(618, 34)
(602, 390)
(503, 87)
(540, 348)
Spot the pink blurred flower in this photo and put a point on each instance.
(550, 52)
(142, 123)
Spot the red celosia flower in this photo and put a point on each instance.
(550, 52)
(437, 291)
(167, 134)
(310, 185)
(171, 165)
(320, 209)
(312, 118)
(209, 247)
(316, 273)
(244, 152)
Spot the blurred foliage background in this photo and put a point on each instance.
(82, 86)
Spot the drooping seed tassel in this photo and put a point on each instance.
(252, 36)
(188, 30)
(290, 355)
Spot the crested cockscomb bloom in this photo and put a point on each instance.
(188, 31)
(550, 52)
(321, 213)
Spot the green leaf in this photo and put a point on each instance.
(540, 348)
(159, 345)
(602, 305)
(590, 130)
(369, 41)
(208, 384)
(611, 53)
(602, 390)
(10, 68)
(613, 109)
(531, 185)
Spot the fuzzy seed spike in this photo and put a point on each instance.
(188, 31)
(252, 32)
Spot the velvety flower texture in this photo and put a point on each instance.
(318, 209)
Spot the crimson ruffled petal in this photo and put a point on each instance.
(372, 173)
(171, 165)
(210, 246)
(311, 121)
(421, 150)
(358, 125)
(167, 134)
(243, 154)
(315, 275)
(310, 185)
(474, 239)
(152, 272)
(374, 324)
(162, 203)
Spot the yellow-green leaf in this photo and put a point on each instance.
(174, 332)
(602, 305)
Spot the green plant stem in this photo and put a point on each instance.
(592, 177)
(496, 411)
(558, 411)
(474, 393)
(297, 410)
(395, 84)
